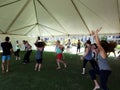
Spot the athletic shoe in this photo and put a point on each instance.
(97, 87)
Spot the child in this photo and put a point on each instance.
(59, 50)
(40, 48)
(104, 68)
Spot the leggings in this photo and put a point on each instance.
(27, 56)
(17, 53)
(103, 74)
(92, 62)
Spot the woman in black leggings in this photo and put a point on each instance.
(87, 57)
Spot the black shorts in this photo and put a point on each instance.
(39, 61)
(78, 47)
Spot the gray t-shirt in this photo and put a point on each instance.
(103, 63)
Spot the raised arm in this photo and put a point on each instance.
(96, 37)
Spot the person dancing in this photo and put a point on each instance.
(59, 52)
(17, 50)
(104, 68)
(40, 45)
(28, 49)
(6, 55)
(87, 56)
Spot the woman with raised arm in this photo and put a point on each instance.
(104, 68)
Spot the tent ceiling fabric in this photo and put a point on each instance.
(59, 17)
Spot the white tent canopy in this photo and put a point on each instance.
(58, 17)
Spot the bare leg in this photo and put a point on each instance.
(58, 64)
(39, 67)
(36, 66)
(16, 58)
(8, 63)
(3, 67)
(96, 85)
(79, 50)
(63, 63)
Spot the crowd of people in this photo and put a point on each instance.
(95, 53)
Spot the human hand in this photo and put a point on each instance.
(98, 30)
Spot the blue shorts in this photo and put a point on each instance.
(6, 57)
(39, 61)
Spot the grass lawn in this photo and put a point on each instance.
(23, 77)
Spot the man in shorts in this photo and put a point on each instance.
(6, 55)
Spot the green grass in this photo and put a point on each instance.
(23, 77)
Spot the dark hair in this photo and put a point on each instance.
(105, 45)
(17, 41)
(58, 41)
(88, 42)
(38, 38)
(40, 44)
(7, 38)
(95, 45)
(24, 41)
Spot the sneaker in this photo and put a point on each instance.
(96, 87)
(7, 70)
(83, 73)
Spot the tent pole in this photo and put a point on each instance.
(35, 8)
(80, 16)
(11, 24)
(52, 16)
(23, 28)
(1, 31)
(51, 28)
(94, 12)
(39, 30)
(14, 34)
(45, 30)
(118, 12)
(30, 30)
(9, 3)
